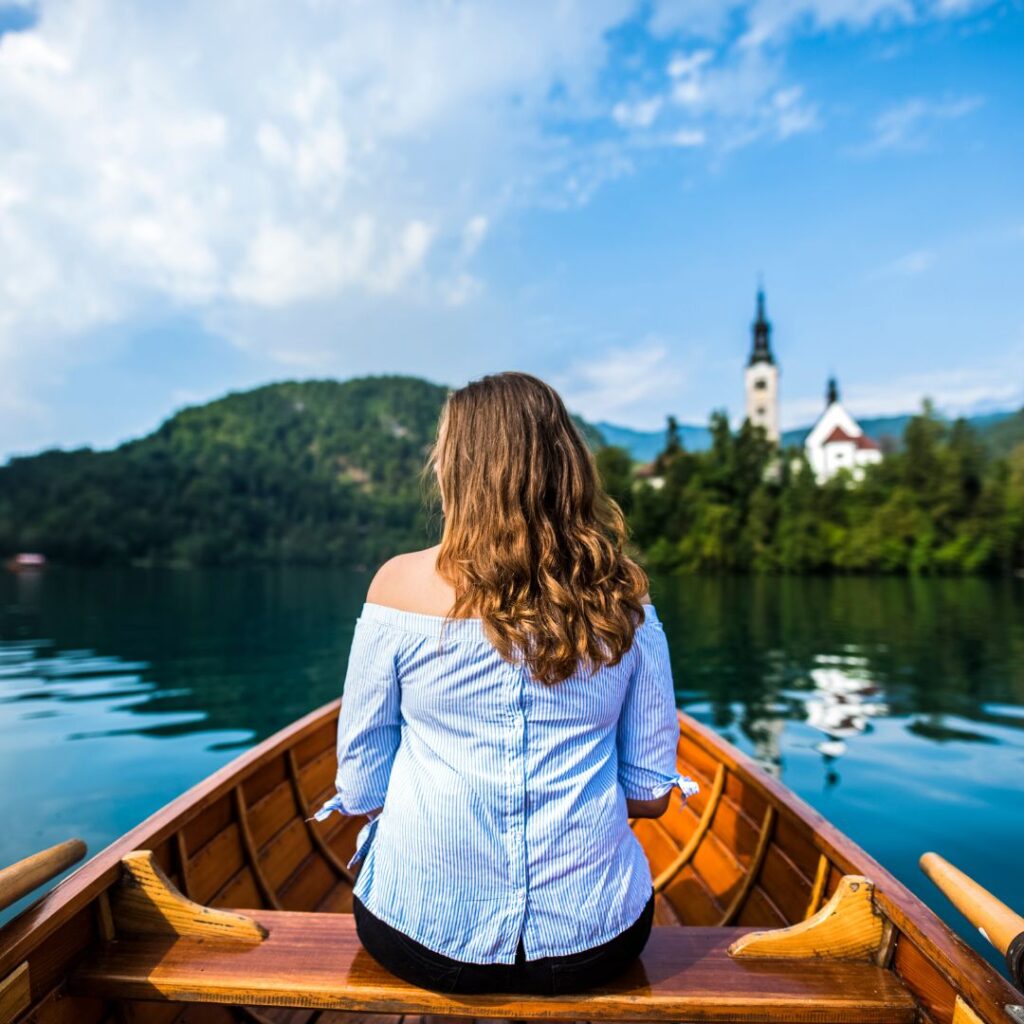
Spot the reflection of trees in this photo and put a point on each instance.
(254, 649)
(935, 646)
(250, 649)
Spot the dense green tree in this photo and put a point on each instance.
(616, 469)
(328, 472)
(939, 503)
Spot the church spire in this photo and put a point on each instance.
(832, 394)
(761, 376)
(761, 330)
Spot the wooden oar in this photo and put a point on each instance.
(1003, 927)
(21, 878)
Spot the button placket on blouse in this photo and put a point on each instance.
(516, 795)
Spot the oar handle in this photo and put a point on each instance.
(1003, 927)
(21, 878)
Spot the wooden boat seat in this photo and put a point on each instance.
(162, 946)
(315, 961)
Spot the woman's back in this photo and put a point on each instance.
(508, 705)
(504, 809)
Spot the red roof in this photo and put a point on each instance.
(838, 434)
(862, 441)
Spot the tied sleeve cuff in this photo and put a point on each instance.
(329, 807)
(366, 833)
(686, 786)
(336, 804)
(652, 786)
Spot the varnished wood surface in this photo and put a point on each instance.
(145, 902)
(684, 974)
(993, 918)
(14, 994)
(21, 878)
(963, 1014)
(848, 927)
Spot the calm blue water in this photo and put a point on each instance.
(895, 707)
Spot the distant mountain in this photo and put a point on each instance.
(645, 445)
(998, 428)
(315, 471)
(1005, 432)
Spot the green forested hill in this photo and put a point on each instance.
(316, 471)
(329, 472)
(319, 471)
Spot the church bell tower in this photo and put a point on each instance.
(762, 376)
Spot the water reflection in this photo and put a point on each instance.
(842, 704)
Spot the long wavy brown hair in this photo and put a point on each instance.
(532, 544)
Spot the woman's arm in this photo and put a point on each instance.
(648, 731)
(647, 808)
(369, 726)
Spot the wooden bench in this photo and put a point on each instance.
(171, 949)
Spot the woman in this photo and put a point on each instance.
(508, 706)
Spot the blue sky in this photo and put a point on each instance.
(196, 198)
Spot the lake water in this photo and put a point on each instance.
(895, 707)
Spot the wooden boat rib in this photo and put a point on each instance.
(743, 855)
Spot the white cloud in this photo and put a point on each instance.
(639, 114)
(792, 115)
(206, 157)
(912, 264)
(473, 234)
(626, 383)
(731, 98)
(688, 137)
(904, 126)
(955, 391)
(461, 289)
(771, 22)
(686, 65)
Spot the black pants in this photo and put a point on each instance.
(550, 975)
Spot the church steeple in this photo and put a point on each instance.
(832, 394)
(761, 376)
(761, 352)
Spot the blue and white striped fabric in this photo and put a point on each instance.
(504, 800)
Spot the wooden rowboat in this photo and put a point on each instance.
(767, 912)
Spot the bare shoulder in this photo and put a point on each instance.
(410, 583)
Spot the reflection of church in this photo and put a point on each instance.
(835, 442)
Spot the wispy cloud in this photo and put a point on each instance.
(954, 390)
(638, 114)
(910, 264)
(626, 382)
(906, 125)
(724, 98)
(772, 22)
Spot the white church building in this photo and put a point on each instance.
(835, 442)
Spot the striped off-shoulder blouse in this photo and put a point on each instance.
(504, 799)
